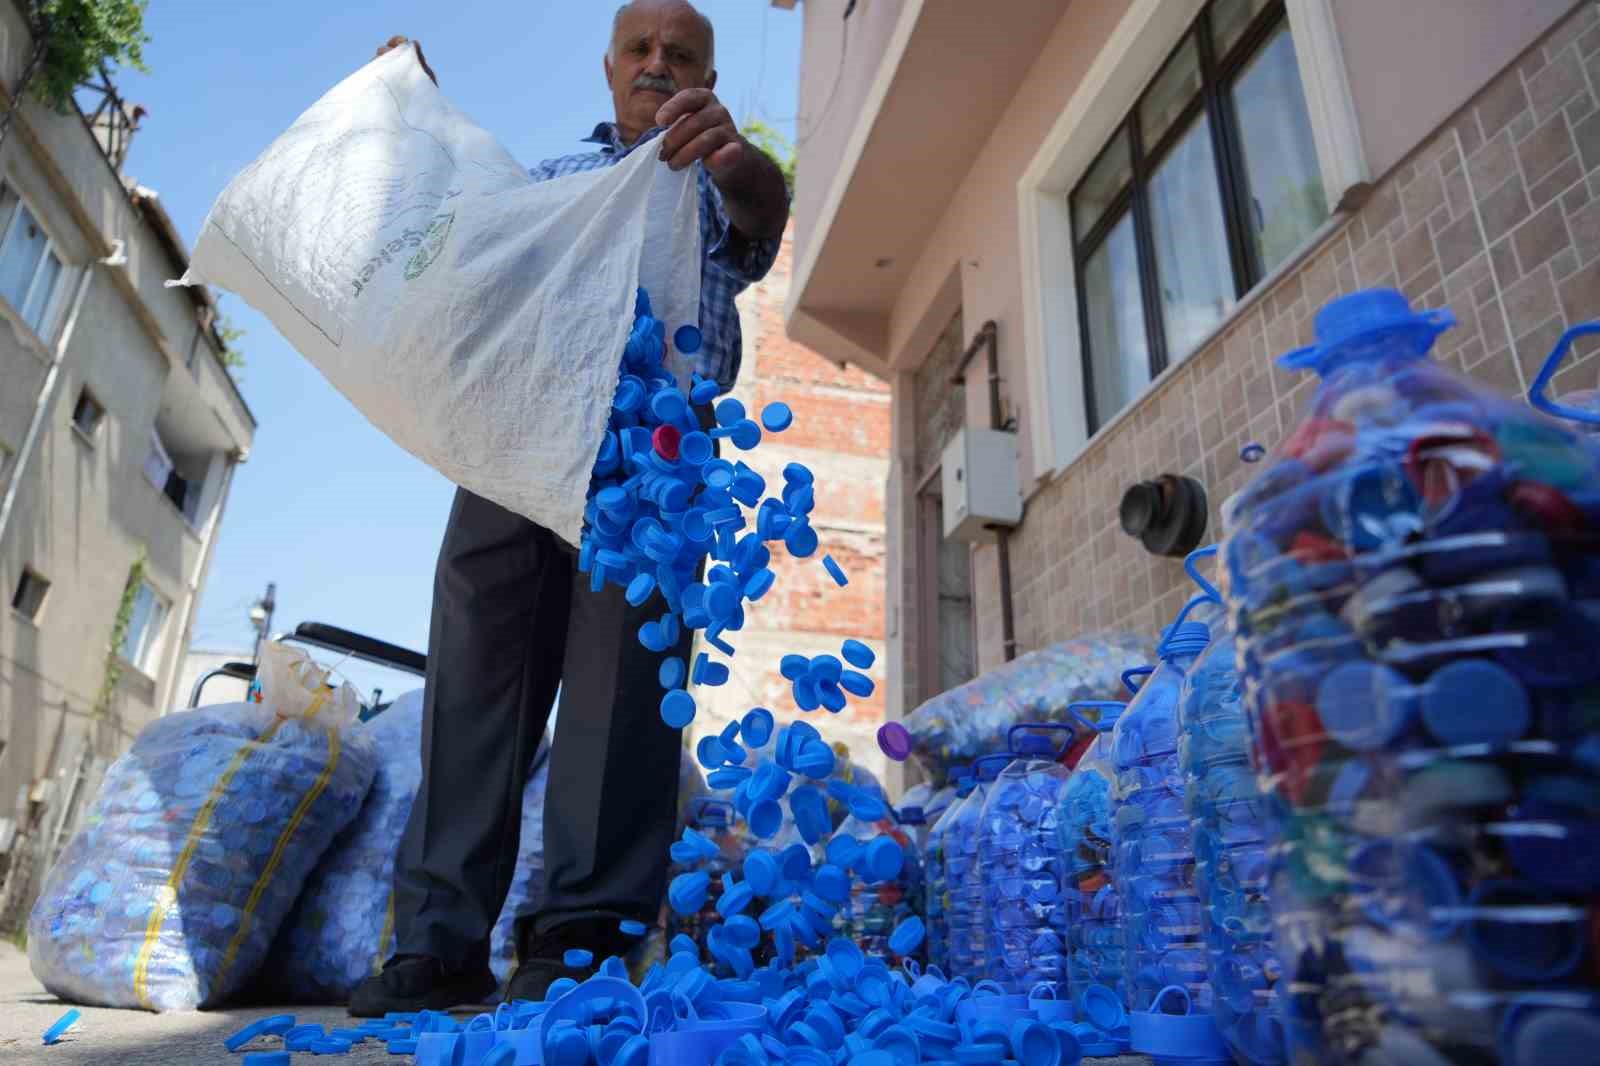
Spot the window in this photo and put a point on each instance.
(28, 600)
(179, 480)
(30, 269)
(87, 413)
(1209, 184)
(7, 454)
(141, 646)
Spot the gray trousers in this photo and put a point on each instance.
(512, 620)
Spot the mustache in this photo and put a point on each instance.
(660, 83)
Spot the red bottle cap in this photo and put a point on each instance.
(665, 439)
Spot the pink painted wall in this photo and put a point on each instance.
(1411, 64)
(834, 79)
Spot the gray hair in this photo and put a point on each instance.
(711, 35)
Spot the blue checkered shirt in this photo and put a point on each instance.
(730, 261)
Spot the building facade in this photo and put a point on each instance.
(841, 431)
(1151, 199)
(120, 429)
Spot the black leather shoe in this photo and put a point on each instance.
(420, 982)
(540, 962)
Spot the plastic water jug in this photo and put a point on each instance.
(1094, 935)
(1226, 814)
(1021, 867)
(937, 895)
(873, 909)
(963, 877)
(1414, 580)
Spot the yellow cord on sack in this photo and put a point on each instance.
(287, 835)
(383, 938)
(169, 893)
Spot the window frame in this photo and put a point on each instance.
(93, 432)
(1213, 104)
(153, 637)
(30, 575)
(51, 248)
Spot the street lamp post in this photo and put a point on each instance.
(261, 618)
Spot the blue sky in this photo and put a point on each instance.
(346, 523)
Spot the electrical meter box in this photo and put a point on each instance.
(981, 485)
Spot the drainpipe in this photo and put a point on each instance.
(42, 405)
(987, 338)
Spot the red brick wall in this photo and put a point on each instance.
(841, 431)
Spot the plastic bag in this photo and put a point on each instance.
(470, 313)
(959, 725)
(199, 841)
(341, 930)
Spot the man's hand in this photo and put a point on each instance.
(395, 42)
(700, 129)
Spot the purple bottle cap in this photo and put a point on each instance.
(894, 740)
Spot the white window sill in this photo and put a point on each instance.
(134, 675)
(86, 439)
(1334, 225)
(31, 623)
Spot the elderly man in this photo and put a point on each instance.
(512, 619)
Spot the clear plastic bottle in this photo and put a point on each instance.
(1021, 868)
(963, 880)
(1226, 813)
(936, 916)
(1413, 578)
(1094, 937)
(873, 909)
(1154, 855)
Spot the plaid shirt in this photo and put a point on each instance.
(730, 261)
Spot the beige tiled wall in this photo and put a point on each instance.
(1497, 216)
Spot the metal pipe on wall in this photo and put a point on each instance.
(988, 338)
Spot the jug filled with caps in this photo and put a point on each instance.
(1414, 580)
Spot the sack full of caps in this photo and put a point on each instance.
(342, 928)
(957, 726)
(1414, 577)
(199, 842)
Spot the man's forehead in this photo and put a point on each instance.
(677, 23)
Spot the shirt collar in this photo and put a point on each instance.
(606, 135)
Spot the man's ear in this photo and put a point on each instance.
(711, 82)
(605, 61)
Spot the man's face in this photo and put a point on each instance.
(660, 50)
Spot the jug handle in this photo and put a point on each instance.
(1137, 671)
(1209, 551)
(1072, 709)
(1536, 392)
(1061, 727)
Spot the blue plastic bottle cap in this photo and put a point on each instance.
(577, 958)
(794, 667)
(1364, 705)
(1472, 701)
(1103, 1008)
(857, 684)
(70, 1018)
(765, 819)
(761, 872)
(276, 1025)
(801, 540)
(907, 936)
(729, 411)
(857, 654)
(1034, 1044)
(816, 760)
(980, 1054)
(687, 892)
(796, 862)
(259, 1058)
(677, 708)
(629, 927)
(687, 339)
(735, 899)
(756, 727)
(1555, 1036)
(671, 674)
(683, 945)
(835, 571)
(776, 417)
(832, 883)
(704, 392)
(883, 859)
(810, 812)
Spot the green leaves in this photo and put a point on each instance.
(78, 36)
(773, 144)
